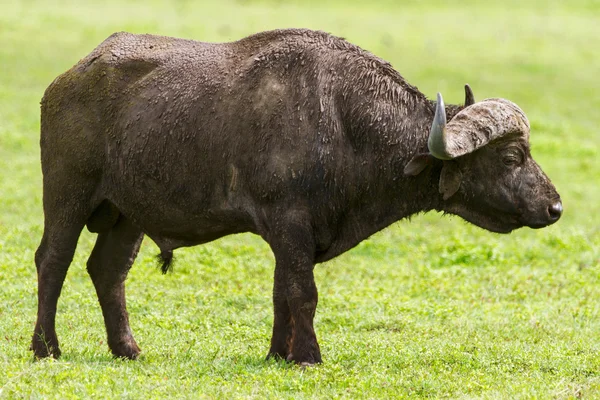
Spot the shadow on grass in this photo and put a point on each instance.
(208, 364)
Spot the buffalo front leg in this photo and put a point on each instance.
(52, 260)
(108, 266)
(282, 322)
(293, 331)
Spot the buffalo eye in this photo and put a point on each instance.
(512, 157)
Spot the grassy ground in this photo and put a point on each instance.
(429, 308)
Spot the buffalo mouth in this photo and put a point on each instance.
(549, 216)
(503, 221)
(511, 222)
(539, 225)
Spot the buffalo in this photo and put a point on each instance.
(295, 135)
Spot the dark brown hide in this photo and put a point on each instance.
(295, 135)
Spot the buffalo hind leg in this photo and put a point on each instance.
(294, 249)
(114, 253)
(52, 260)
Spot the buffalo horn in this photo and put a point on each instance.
(437, 140)
(469, 98)
(475, 126)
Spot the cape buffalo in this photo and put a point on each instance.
(295, 135)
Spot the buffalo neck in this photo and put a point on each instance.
(387, 126)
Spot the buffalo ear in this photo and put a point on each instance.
(418, 164)
(450, 179)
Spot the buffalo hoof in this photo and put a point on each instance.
(307, 361)
(307, 364)
(43, 348)
(127, 350)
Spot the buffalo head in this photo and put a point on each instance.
(488, 176)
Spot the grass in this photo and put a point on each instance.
(427, 308)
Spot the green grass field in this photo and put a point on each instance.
(431, 307)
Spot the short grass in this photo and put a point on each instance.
(427, 308)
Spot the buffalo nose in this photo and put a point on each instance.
(555, 211)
